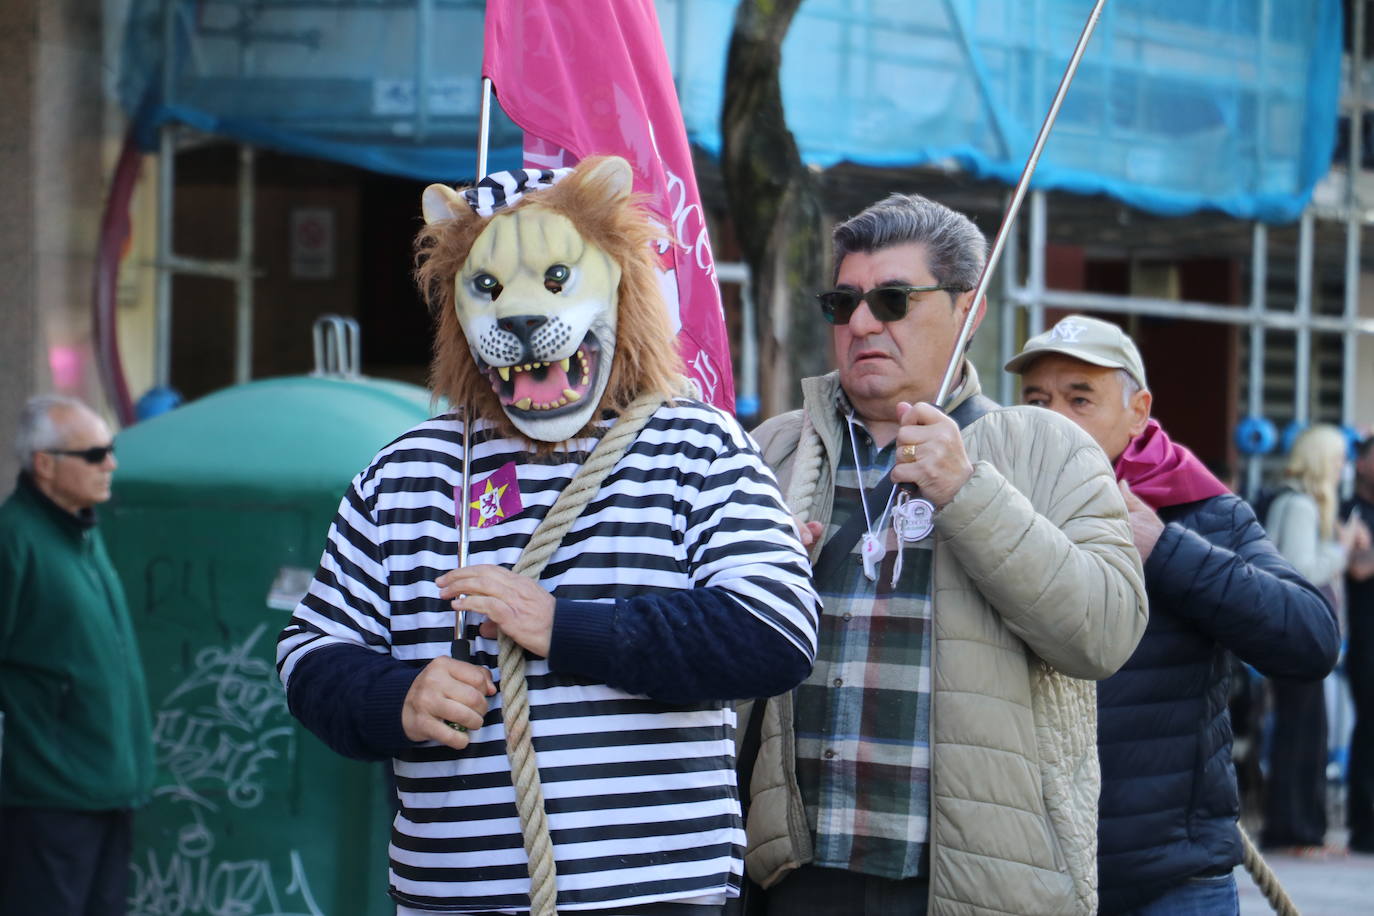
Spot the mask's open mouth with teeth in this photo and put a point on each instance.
(547, 389)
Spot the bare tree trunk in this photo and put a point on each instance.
(774, 202)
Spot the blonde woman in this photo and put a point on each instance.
(1303, 523)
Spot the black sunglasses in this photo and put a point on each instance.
(887, 303)
(96, 454)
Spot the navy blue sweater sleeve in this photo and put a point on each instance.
(350, 697)
(687, 646)
(1215, 566)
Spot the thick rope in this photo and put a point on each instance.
(1265, 878)
(585, 484)
(515, 702)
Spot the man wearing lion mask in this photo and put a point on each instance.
(631, 569)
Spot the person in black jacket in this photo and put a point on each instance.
(1359, 658)
(1168, 839)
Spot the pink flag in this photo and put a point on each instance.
(590, 77)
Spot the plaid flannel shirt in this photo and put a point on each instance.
(863, 716)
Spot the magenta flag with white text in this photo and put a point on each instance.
(588, 78)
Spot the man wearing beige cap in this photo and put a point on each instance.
(1167, 834)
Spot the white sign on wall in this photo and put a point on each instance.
(312, 243)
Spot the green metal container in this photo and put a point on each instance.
(219, 515)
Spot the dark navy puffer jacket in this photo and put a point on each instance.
(1169, 801)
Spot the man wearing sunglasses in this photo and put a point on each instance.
(77, 752)
(940, 756)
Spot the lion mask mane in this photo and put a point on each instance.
(561, 294)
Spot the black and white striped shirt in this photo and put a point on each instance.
(640, 790)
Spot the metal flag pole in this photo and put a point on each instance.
(461, 649)
(483, 128)
(1004, 231)
(529, 796)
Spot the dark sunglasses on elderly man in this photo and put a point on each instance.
(96, 454)
(887, 303)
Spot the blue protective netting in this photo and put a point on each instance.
(333, 79)
(1178, 105)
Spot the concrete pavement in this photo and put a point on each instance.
(1340, 886)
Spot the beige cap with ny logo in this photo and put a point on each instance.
(1097, 342)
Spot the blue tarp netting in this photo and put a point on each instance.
(1178, 105)
(333, 79)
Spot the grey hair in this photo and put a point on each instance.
(38, 430)
(1129, 386)
(955, 247)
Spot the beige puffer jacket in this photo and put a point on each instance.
(1038, 590)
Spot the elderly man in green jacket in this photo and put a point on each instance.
(77, 753)
(940, 758)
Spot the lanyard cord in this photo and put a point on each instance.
(859, 473)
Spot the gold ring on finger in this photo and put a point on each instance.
(909, 452)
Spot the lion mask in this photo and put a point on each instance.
(549, 306)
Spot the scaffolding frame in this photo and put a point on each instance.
(168, 263)
(240, 270)
(1033, 297)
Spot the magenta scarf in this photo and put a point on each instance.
(1163, 473)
